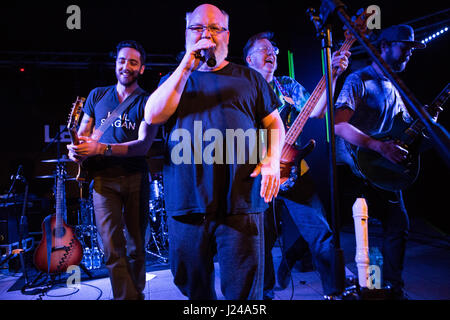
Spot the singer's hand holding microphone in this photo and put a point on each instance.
(208, 56)
(199, 53)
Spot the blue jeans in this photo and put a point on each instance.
(302, 216)
(238, 241)
(121, 205)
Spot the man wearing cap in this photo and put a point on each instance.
(367, 105)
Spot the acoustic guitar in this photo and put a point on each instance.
(59, 247)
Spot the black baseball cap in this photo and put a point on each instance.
(400, 33)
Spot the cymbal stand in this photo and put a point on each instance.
(158, 236)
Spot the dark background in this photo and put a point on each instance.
(60, 64)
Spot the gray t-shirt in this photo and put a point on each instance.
(375, 102)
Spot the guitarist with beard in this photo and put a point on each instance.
(367, 105)
(301, 203)
(116, 162)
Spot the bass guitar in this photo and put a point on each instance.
(291, 155)
(390, 176)
(59, 247)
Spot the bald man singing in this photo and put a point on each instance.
(218, 178)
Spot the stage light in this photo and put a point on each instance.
(22, 69)
(434, 35)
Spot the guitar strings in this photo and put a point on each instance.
(300, 121)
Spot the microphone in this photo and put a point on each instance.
(209, 56)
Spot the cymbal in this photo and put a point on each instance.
(57, 160)
(52, 176)
(46, 177)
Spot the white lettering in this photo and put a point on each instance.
(73, 281)
(213, 152)
(374, 20)
(184, 147)
(73, 21)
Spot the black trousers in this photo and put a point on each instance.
(386, 206)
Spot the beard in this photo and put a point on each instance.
(396, 64)
(129, 80)
(220, 53)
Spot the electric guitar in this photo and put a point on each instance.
(291, 155)
(59, 247)
(390, 176)
(74, 118)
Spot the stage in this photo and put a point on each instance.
(45, 66)
(425, 273)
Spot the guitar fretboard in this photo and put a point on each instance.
(297, 126)
(59, 206)
(417, 126)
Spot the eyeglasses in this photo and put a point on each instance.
(214, 30)
(267, 50)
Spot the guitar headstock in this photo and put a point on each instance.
(359, 23)
(60, 172)
(74, 116)
(439, 102)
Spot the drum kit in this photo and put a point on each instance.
(158, 242)
(156, 237)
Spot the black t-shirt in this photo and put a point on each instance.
(100, 103)
(205, 169)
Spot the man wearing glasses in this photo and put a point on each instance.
(216, 207)
(301, 203)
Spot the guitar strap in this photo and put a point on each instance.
(280, 87)
(285, 94)
(282, 90)
(120, 108)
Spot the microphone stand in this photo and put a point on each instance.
(338, 266)
(21, 222)
(5, 204)
(438, 135)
